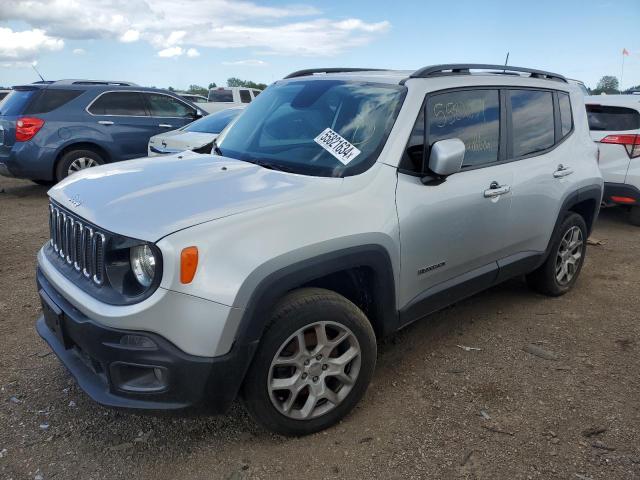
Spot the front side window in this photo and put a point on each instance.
(166, 106)
(293, 125)
(566, 120)
(221, 95)
(606, 118)
(119, 103)
(532, 121)
(473, 116)
(245, 96)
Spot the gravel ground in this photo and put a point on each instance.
(434, 410)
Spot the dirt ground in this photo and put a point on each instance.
(434, 410)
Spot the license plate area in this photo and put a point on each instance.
(54, 318)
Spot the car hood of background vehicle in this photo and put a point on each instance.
(150, 198)
(179, 140)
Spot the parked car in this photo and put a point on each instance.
(4, 93)
(221, 98)
(193, 98)
(614, 121)
(49, 130)
(342, 205)
(193, 136)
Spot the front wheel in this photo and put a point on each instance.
(314, 363)
(557, 275)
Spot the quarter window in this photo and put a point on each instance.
(566, 119)
(473, 116)
(245, 96)
(532, 120)
(166, 106)
(119, 103)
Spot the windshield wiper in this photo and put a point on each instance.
(272, 166)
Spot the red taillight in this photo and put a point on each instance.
(27, 127)
(630, 142)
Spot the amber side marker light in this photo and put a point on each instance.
(627, 200)
(188, 264)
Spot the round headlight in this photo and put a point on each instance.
(143, 264)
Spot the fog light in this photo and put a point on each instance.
(139, 378)
(137, 341)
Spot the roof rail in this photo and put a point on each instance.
(311, 71)
(94, 82)
(465, 68)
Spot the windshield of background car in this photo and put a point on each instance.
(315, 127)
(214, 122)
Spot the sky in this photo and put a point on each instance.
(182, 42)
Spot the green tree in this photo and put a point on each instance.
(197, 90)
(212, 85)
(236, 82)
(607, 84)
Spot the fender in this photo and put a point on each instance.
(272, 287)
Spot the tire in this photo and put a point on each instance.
(634, 216)
(297, 312)
(546, 279)
(79, 157)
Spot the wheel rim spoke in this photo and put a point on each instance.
(314, 370)
(569, 255)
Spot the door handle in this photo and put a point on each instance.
(165, 125)
(105, 122)
(562, 171)
(495, 190)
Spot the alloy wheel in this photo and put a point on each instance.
(314, 370)
(80, 164)
(569, 255)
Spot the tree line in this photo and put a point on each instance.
(231, 82)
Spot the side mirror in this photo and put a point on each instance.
(446, 157)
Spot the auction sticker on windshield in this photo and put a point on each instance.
(337, 146)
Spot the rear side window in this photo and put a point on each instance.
(566, 120)
(222, 95)
(255, 93)
(532, 121)
(602, 117)
(473, 116)
(166, 106)
(245, 96)
(50, 99)
(119, 103)
(16, 101)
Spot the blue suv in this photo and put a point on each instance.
(48, 130)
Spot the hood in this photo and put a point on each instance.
(179, 141)
(150, 198)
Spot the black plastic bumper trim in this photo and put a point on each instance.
(620, 190)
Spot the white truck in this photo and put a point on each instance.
(221, 98)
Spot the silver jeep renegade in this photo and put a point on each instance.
(342, 205)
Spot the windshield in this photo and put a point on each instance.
(213, 123)
(315, 127)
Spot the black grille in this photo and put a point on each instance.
(77, 243)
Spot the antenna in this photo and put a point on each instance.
(506, 60)
(41, 77)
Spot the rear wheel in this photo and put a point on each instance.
(557, 275)
(77, 160)
(634, 216)
(314, 363)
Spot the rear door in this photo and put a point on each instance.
(614, 128)
(167, 113)
(540, 122)
(122, 116)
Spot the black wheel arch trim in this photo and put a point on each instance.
(276, 284)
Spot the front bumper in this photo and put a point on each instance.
(114, 374)
(621, 194)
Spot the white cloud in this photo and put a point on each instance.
(129, 36)
(281, 30)
(171, 52)
(192, 52)
(79, 51)
(23, 47)
(248, 63)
